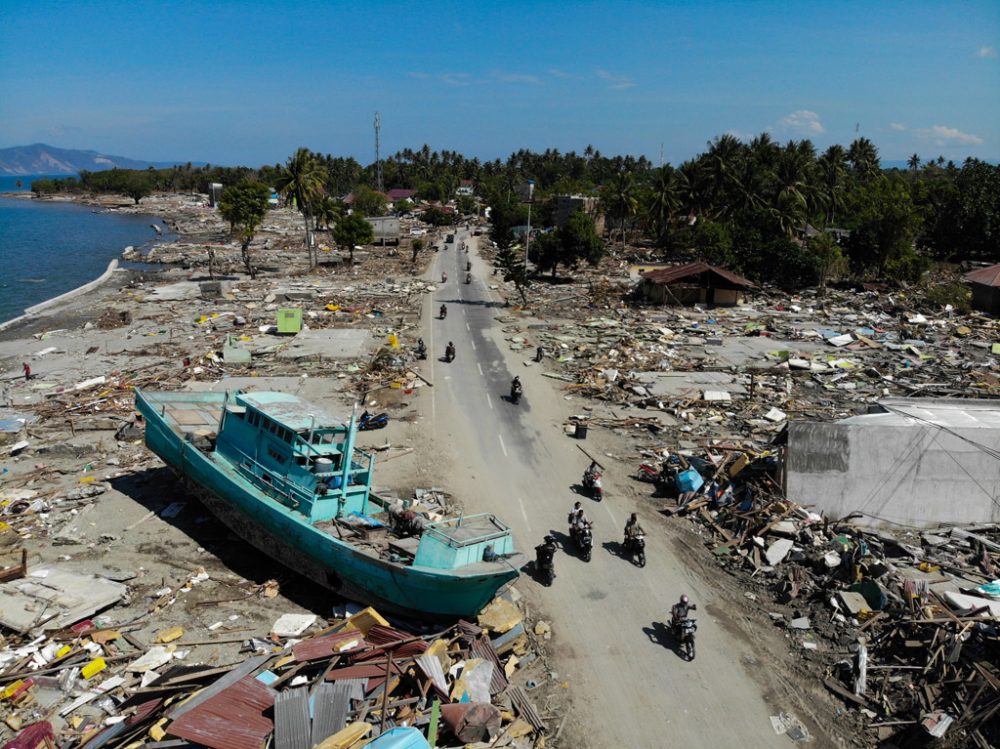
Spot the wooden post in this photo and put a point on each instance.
(385, 690)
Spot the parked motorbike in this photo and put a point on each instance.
(592, 483)
(583, 537)
(636, 548)
(545, 560)
(369, 421)
(683, 631)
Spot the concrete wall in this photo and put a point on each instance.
(913, 475)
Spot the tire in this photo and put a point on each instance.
(642, 558)
(690, 649)
(586, 555)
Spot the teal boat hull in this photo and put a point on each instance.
(288, 538)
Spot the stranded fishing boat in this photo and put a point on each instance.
(289, 480)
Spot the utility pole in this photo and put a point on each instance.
(527, 237)
(378, 158)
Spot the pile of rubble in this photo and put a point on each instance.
(905, 625)
(334, 685)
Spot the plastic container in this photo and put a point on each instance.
(323, 465)
(689, 481)
(581, 432)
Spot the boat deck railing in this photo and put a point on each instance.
(468, 530)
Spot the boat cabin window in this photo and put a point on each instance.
(276, 455)
(323, 439)
(254, 418)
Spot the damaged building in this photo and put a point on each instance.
(914, 462)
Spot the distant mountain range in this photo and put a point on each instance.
(42, 159)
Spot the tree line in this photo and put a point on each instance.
(774, 211)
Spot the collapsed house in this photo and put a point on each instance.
(915, 462)
(985, 284)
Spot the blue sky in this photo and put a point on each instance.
(248, 82)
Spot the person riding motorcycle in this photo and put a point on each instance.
(591, 472)
(515, 388)
(468, 278)
(468, 265)
(444, 277)
(577, 517)
(443, 312)
(633, 529)
(449, 351)
(679, 611)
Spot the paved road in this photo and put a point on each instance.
(629, 689)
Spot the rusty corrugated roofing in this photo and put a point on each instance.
(680, 272)
(481, 648)
(316, 648)
(986, 276)
(232, 719)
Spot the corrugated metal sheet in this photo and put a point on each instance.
(239, 672)
(333, 702)
(680, 272)
(232, 719)
(433, 670)
(986, 276)
(481, 648)
(291, 719)
(526, 708)
(326, 646)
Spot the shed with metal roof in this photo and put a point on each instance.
(694, 283)
(985, 283)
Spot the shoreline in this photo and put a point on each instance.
(36, 310)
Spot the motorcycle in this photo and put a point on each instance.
(468, 278)
(443, 312)
(515, 394)
(369, 421)
(636, 547)
(449, 353)
(592, 483)
(545, 562)
(468, 265)
(583, 537)
(444, 278)
(683, 631)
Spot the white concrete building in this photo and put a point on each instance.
(920, 462)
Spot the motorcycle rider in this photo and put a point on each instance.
(679, 611)
(468, 278)
(468, 265)
(515, 388)
(449, 351)
(545, 552)
(443, 312)
(444, 277)
(591, 473)
(632, 529)
(577, 518)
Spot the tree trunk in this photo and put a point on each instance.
(211, 262)
(245, 251)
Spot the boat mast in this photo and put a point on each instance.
(346, 460)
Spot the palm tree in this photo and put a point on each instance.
(328, 210)
(832, 167)
(721, 162)
(302, 179)
(863, 156)
(913, 162)
(620, 199)
(664, 200)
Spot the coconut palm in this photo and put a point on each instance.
(328, 210)
(302, 179)
(863, 156)
(832, 169)
(663, 200)
(913, 162)
(620, 199)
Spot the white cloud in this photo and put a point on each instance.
(986, 52)
(455, 79)
(803, 122)
(896, 126)
(519, 78)
(557, 73)
(418, 74)
(940, 135)
(615, 82)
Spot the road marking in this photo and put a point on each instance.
(524, 514)
(489, 400)
(502, 445)
(467, 327)
(480, 367)
(473, 345)
(610, 514)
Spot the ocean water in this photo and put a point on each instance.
(47, 249)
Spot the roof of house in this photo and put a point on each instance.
(466, 183)
(681, 272)
(986, 276)
(400, 193)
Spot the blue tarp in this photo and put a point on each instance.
(400, 738)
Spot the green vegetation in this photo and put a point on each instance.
(243, 206)
(353, 230)
(757, 207)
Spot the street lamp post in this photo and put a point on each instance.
(527, 238)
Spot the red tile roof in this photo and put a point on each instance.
(680, 272)
(986, 276)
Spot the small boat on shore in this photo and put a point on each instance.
(288, 479)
